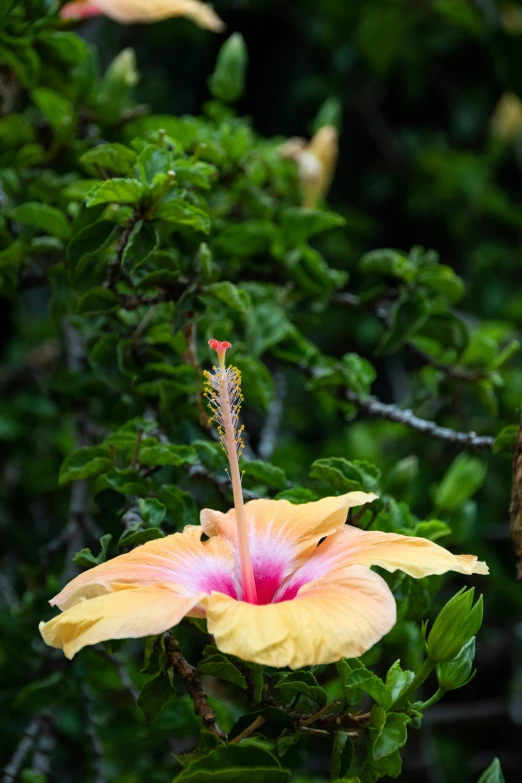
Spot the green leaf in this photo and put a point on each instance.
(346, 476)
(264, 472)
(298, 224)
(139, 536)
(44, 217)
(173, 210)
(113, 157)
(142, 240)
(18, 53)
(98, 301)
(302, 683)
(92, 239)
(358, 373)
(297, 495)
(228, 80)
(125, 481)
(493, 774)
(119, 191)
(155, 694)
(342, 755)
(231, 295)
(153, 160)
(397, 679)
(58, 111)
(506, 438)
(84, 463)
(357, 676)
(248, 238)
(85, 557)
(443, 280)
(68, 47)
(219, 666)
(166, 454)
(388, 262)
(462, 479)
(235, 764)
(151, 511)
(407, 315)
(388, 732)
(102, 359)
(153, 654)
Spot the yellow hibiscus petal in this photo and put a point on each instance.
(327, 620)
(130, 11)
(127, 613)
(180, 559)
(417, 557)
(281, 534)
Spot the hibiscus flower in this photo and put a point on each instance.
(279, 584)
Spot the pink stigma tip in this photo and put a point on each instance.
(218, 346)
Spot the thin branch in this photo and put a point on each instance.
(115, 265)
(23, 749)
(96, 756)
(193, 685)
(248, 731)
(319, 714)
(381, 410)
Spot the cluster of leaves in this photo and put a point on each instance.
(128, 239)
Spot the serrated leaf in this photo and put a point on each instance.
(388, 262)
(151, 511)
(388, 732)
(302, 683)
(264, 472)
(84, 463)
(342, 755)
(408, 314)
(142, 240)
(58, 110)
(114, 157)
(118, 191)
(219, 666)
(153, 160)
(85, 557)
(155, 694)
(153, 654)
(167, 454)
(397, 679)
(231, 295)
(235, 764)
(91, 239)
(346, 476)
(137, 537)
(173, 210)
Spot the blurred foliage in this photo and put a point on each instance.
(132, 233)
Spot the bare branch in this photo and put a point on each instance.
(269, 433)
(23, 749)
(193, 685)
(381, 410)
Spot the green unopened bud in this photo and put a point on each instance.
(457, 673)
(457, 622)
(123, 69)
(228, 80)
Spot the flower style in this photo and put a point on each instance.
(279, 584)
(130, 11)
(316, 161)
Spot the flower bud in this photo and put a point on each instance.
(457, 673)
(457, 622)
(228, 80)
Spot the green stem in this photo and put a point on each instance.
(437, 696)
(423, 673)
